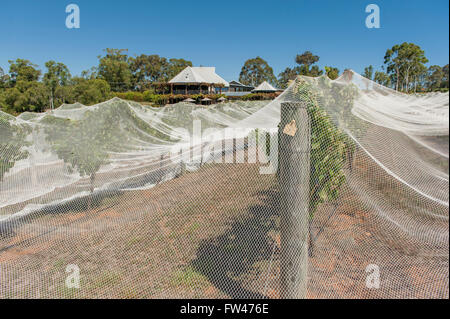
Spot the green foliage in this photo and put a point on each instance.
(175, 66)
(135, 78)
(332, 73)
(382, 78)
(289, 74)
(23, 70)
(162, 99)
(4, 79)
(85, 144)
(435, 77)
(258, 96)
(255, 71)
(89, 92)
(25, 96)
(12, 142)
(368, 72)
(404, 62)
(114, 69)
(305, 60)
(57, 75)
(329, 146)
(81, 144)
(147, 68)
(445, 82)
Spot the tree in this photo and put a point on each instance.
(23, 70)
(147, 68)
(332, 73)
(64, 94)
(26, 96)
(445, 76)
(368, 72)
(153, 68)
(89, 92)
(305, 60)
(255, 71)
(382, 78)
(90, 74)
(401, 61)
(419, 75)
(57, 75)
(435, 76)
(175, 66)
(288, 75)
(114, 69)
(4, 78)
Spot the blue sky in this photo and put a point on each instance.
(222, 33)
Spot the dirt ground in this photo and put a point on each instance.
(212, 233)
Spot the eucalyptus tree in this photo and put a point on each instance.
(382, 78)
(57, 75)
(445, 76)
(305, 61)
(23, 70)
(255, 71)
(114, 69)
(289, 74)
(4, 78)
(435, 76)
(368, 72)
(401, 61)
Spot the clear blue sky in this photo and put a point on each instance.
(222, 33)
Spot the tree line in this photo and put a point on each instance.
(26, 88)
(403, 70)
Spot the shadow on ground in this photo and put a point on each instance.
(228, 260)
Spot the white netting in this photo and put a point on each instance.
(187, 201)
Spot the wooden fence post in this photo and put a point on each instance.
(294, 170)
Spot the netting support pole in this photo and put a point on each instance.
(294, 170)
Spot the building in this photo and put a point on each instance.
(265, 87)
(237, 89)
(196, 80)
(236, 86)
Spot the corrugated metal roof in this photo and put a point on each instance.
(199, 74)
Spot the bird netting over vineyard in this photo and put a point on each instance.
(122, 200)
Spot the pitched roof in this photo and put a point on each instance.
(237, 83)
(265, 87)
(198, 74)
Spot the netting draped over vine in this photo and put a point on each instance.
(178, 201)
